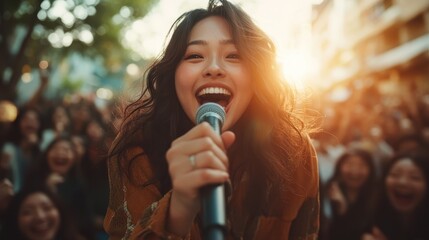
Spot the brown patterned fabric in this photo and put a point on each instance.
(141, 212)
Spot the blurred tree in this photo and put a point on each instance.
(35, 30)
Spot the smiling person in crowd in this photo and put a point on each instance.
(404, 207)
(38, 214)
(350, 195)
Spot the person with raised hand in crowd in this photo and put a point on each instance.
(23, 145)
(350, 196)
(161, 158)
(58, 123)
(58, 171)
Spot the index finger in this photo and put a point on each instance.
(202, 130)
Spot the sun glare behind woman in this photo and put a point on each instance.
(297, 66)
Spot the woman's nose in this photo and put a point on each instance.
(403, 180)
(214, 69)
(40, 214)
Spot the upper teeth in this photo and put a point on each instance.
(214, 90)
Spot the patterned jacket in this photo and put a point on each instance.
(137, 212)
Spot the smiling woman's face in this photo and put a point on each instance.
(212, 71)
(405, 186)
(61, 157)
(354, 172)
(38, 217)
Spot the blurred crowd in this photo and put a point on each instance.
(372, 150)
(374, 161)
(53, 169)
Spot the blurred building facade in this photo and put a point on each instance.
(357, 41)
(373, 60)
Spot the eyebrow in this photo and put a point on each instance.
(203, 42)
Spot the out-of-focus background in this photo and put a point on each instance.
(362, 65)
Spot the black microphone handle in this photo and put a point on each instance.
(213, 200)
(213, 207)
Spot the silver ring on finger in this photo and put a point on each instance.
(193, 161)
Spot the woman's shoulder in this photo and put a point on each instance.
(135, 161)
(306, 173)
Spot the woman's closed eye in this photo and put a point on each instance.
(233, 56)
(193, 56)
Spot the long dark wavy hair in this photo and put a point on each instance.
(271, 138)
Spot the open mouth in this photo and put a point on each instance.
(61, 161)
(355, 181)
(403, 198)
(219, 95)
(41, 227)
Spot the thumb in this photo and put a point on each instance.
(228, 138)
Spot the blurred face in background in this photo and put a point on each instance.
(30, 124)
(38, 217)
(80, 113)
(79, 145)
(405, 186)
(354, 172)
(60, 118)
(61, 157)
(94, 131)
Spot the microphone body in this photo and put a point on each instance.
(213, 196)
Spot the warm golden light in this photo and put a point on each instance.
(285, 21)
(26, 68)
(297, 66)
(8, 111)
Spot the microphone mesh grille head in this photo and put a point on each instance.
(210, 108)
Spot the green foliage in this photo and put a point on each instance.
(70, 86)
(29, 28)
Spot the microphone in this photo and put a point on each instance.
(213, 196)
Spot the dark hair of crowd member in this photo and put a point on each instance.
(270, 135)
(50, 119)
